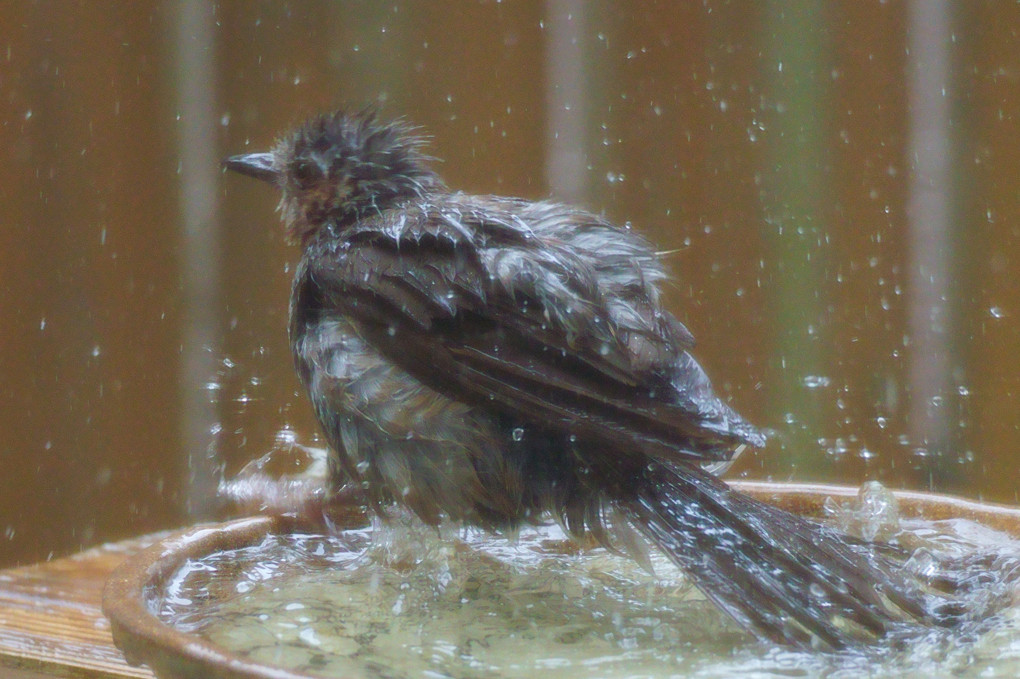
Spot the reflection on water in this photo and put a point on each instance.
(415, 603)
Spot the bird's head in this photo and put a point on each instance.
(339, 167)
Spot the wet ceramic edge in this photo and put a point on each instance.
(131, 593)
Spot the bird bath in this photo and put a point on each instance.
(377, 626)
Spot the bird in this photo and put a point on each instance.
(496, 361)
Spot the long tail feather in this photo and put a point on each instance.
(782, 577)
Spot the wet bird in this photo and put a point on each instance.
(495, 361)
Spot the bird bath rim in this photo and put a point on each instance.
(134, 586)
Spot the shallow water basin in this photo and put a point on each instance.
(266, 597)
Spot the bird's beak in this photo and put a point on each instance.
(257, 165)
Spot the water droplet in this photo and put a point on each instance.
(517, 434)
(286, 436)
(103, 476)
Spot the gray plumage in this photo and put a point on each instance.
(495, 360)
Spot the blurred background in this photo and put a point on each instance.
(840, 180)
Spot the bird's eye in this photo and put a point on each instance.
(305, 172)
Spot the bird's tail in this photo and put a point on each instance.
(782, 577)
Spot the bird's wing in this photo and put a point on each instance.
(486, 315)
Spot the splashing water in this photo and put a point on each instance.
(408, 601)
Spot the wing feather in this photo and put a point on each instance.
(525, 325)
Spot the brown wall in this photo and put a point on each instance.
(770, 143)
